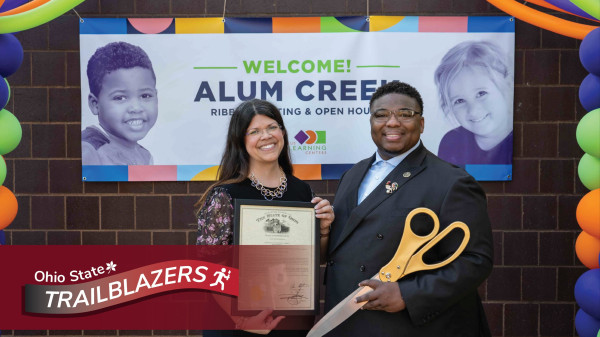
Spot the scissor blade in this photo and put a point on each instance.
(339, 313)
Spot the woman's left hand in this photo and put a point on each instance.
(261, 324)
(324, 212)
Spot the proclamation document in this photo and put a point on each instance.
(278, 257)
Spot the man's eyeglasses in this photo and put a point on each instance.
(271, 129)
(402, 115)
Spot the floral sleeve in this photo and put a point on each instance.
(215, 219)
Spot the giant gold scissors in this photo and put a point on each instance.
(408, 259)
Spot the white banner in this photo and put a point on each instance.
(321, 82)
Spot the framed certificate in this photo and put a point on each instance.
(278, 257)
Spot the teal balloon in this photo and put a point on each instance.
(588, 133)
(2, 170)
(10, 132)
(589, 171)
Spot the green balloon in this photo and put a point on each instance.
(589, 172)
(592, 7)
(2, 170)
(36, 16)
(10, 132)
(588, 133)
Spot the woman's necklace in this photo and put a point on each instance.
(266, 192)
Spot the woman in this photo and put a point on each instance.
(255, 165)
(474, 84)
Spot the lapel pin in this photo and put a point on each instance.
(390, 187)
(406, 174)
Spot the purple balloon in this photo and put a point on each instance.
(11, 4)
(586, 325)
(4, 93)
(587, 292)
(11, 55)
(570, 7)
(589, 92)
(589, 52)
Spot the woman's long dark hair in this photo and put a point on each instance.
(235, 164)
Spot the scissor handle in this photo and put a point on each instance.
(409, 244)
(416, 262)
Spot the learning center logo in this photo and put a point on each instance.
(311, 142)
(311, 137)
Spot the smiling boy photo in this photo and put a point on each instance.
(123, 95)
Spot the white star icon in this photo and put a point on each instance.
(110, 266)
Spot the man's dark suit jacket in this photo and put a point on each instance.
(442, 302)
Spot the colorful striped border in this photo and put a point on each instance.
(209, 172)
(105, 173)
(152, 173)
(327, 24)
(490, 172)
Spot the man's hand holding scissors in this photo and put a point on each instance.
(385, 296)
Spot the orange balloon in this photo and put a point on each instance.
(8, 207)
(588, 213)
(24, 8)
(543, 20)
(587, 248)
(1, 3)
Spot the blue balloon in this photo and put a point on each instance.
(11, 4)
(2, 238)
(586, 325)
(589, 92)
(589, 52)
(4, 92)
(11, 56)
(587, 292)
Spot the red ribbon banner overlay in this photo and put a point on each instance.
(135, 287)
(129, 286)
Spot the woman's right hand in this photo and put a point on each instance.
(261, 324)
(324, 211)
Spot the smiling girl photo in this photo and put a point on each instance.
(474, 85)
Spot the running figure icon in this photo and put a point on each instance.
(220, 275)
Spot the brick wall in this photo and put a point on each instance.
(530, 291)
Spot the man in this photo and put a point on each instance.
(371, 205)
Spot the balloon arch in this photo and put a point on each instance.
(587, 246)
(15, 16)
